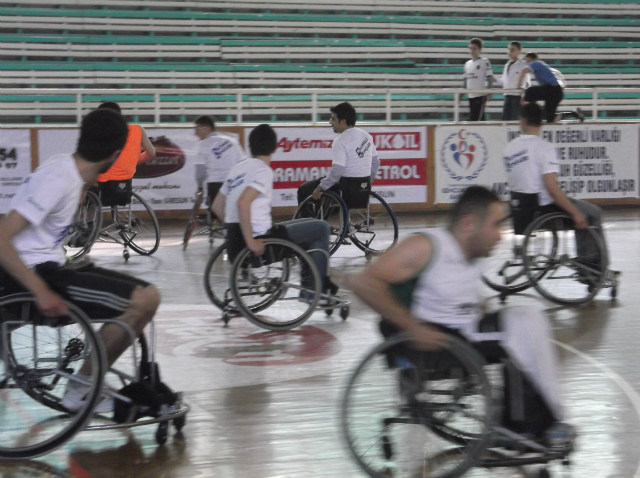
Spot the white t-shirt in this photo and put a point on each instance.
(527, 159)
(354, 149)
(219, 153)
(446, 292)
(511, 75)
(476, 73)
(258, 175)
(48, 200)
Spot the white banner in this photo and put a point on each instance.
(166, 181)
(15, 163)
(596, 161)
(304, 154)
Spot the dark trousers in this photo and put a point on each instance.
(476, 108)
(511, 108)
(551, 95)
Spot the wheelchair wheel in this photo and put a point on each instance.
(374, 229)
(216, 278)
(408, 413)
(331, 208)
(139, 230)
(278, 290)
(193, 220)
(85, 228)
(552, 262)
(40, 357)
(504, 270)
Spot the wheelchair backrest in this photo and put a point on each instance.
(355, 191)
(115, 193)
(524, 209)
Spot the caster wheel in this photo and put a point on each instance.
(226, 318)
(368, 256)
(344, 312)
(590, 288)
(329, 311)
(614, 292)
(386, 448)
(544, 473)
(503, 297)
(126, 256)
(162, 433)
(180, 422)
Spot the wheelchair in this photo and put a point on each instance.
(278, 290)
(540, 251)
(41, 355)
(410, 413)
(210, 228)
(355, 212)
(85, 228)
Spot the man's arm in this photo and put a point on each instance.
(218, 206)
(149, 150)
(523, 73)
(49, 303)
(375, 164)
(374, 286)
(244, 215)
(560, 198)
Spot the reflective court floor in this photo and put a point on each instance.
(266, 404)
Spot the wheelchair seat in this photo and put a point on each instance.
(115, 193)
(526, 208)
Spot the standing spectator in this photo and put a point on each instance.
(478, 75)
(549, 90)
(509, 81)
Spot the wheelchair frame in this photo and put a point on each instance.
(324, 209)
(210, 229)
(440, 401)
(529, 268)
(239, 282)
(40, 382)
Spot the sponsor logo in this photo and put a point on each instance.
(464, 155)
(169, 159)
(397, 141)
(287, 145)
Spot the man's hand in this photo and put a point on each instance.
(257, 246)
(580, 220)
(51, 304)
(427, 337)
(317, 194)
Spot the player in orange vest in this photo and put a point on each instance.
(115, 184)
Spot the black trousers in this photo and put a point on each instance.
(551, 95)
(511, 108)
(476, 108)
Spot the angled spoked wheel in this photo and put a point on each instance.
(330, 208)
(373, 229)
(84, 230)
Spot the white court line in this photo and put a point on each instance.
(629, 391)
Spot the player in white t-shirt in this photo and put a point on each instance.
(32, 257)
(216, 154)
(509, 81)
(532, 168)
(244, 203)
(353, 152)
(478, 75)
(428, 283)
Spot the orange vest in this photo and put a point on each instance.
(125, 165)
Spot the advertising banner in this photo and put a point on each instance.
(304, 154)
(166, 181)
(596, 161)
(15, 163)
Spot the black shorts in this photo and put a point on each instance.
(100, 293)
(115, 193)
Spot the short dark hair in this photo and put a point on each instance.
(532, 55)
(476, 41)
(532, 112)
(111, 105)
(344, 111)
(517, 44)
(474, 200)
(263, 140)
(205, 120)
(102, 133)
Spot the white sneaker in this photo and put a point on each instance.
(75, 394)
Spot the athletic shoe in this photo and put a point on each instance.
(560, 435)
(579, 115)
(75, 395)
(308, 298)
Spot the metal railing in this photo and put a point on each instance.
(299, 105)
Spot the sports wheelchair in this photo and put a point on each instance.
(410, 413)
(210, 228)
(138, 230)
(541, 250)
(353, 210)
(41, 355)
(278, 290)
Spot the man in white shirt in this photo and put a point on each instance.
(216, 154)
(509, 81)
(244, 203)
(478, 75)
(427, 285)
(32, 257)
(353, 152)
(532, 169)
